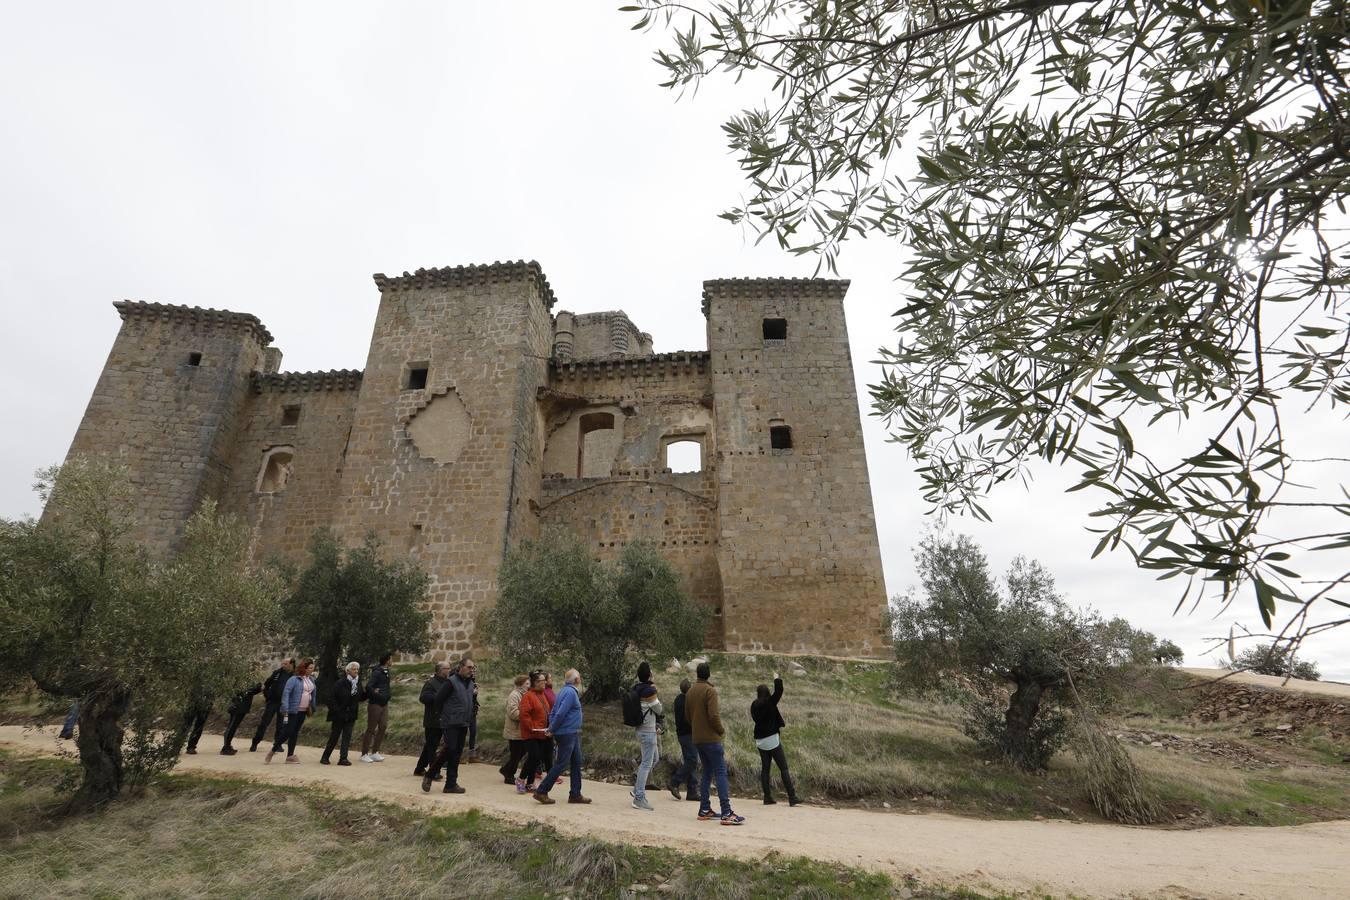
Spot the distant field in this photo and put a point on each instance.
(852, 738)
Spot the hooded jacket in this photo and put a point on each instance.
(456, 702)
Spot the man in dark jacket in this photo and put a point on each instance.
(240, 704)
(377, 711)
(687, 773)
(431, 717)
(343, 709)
(272, 689)
(456, 700)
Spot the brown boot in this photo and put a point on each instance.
(578, 799)
(544, 798)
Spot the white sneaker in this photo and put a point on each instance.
(375, 757)
(366, 757)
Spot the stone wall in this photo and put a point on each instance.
(476, 336)
(308, 417)
(798, 552)
(168, 405)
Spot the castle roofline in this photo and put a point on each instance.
(332, 380)
(764, 288)
(457, 276)
(130, 309)
(658, 363)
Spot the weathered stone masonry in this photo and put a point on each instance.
(482, 416)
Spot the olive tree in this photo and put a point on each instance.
(352, 603)
(1275, 659)
(88, 616)
(555, 600)
(1116, 215)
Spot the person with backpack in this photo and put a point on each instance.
(768, 722)
(705, 722)
(649, 738)
(688, 769)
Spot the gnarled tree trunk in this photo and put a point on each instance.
(100, 746)
(1023, 705)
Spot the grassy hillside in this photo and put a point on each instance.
(853, 738)
(195, 837)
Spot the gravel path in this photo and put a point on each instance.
(1058, 858)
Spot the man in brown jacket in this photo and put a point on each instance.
(701, 707)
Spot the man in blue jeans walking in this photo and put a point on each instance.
(700, 706)
(564, 723)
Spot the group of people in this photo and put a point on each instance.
(542, 728)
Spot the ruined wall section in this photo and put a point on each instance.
(631, 497)
(464, 349)
(800, 562)
(168, 403)
(286, 473)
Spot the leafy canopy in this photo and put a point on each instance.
(352, 604)
(556, 601)
(88, 616)
(1275, 659)
(1118, 214)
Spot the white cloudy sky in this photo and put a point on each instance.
(269, 158)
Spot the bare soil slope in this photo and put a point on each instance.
(1060, 858)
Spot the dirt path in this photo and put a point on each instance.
(1333, 689)
(1060, 858)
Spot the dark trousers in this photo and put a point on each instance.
(473, 735)
(687, 773)
(430, 744)
(538, 758)
(452, 748)
(341, 730)
(290, 733)
(230, 729)
(776, 755)
(195, 720)
(270, 711)
(516, 752)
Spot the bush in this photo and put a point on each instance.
(555, 600)
(1275, 659)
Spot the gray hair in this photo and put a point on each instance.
(572, 677)
(352, 665)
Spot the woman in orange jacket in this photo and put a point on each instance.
(534, 710)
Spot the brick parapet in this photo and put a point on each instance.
(688, 361)
(768, 288)
(332, 380)
(470, 276)
(195, 315)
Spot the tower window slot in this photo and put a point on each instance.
(775, 329)
(417, 377)
(194, 358)
(290, 415)
(780, 437)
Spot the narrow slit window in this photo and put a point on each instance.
(194, 358)
(775, 329)
(290, 415)
(417, 377)
(780, 437)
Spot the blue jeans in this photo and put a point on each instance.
(569, 756)
(72, 717)
(651, 752)
(714, 763)
(688, 770)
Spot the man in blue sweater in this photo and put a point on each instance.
(564, 723)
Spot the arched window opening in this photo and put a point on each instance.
(276, 470)
(596, 432)
(684, 456)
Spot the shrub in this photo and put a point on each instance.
(555, 600)
(1275, 659)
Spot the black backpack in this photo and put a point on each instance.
(632, 708)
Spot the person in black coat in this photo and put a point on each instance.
(272, 690)
(687, 772)
(768, 723)
(431, 717)
(457, 702)
(240, 704)
(343, 710)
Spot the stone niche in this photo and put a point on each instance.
(440, 429)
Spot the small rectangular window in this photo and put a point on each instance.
(780, 437)
(290, 415)
(417, 377)
(775, 329)
(194, 358)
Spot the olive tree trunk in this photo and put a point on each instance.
(100, 746)
(1023, 705)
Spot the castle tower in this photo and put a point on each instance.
(798, 552)
(167, 405)
(446, 445)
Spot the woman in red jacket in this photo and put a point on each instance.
(534, 710)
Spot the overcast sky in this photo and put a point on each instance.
(268, 158)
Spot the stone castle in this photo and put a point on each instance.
(483, 417)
